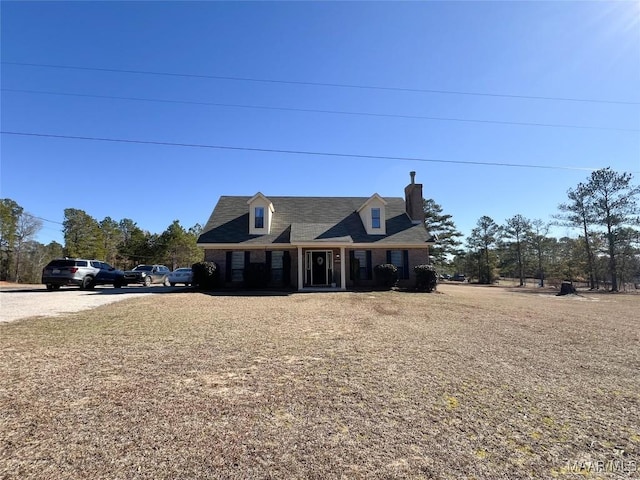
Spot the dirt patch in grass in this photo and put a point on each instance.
(480, 383)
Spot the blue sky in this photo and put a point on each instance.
(578, 50)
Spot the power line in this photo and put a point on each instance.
(323, 84)
(295, 152)
(308, 110)
(47, 220)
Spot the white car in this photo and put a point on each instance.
(181, 275)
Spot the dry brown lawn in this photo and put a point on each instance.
(469, 382)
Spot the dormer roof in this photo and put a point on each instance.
(260, 196)
(372, 198)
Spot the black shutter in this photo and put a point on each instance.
(227, 272)
(247, 260)
(286, 268)
(268, 261)
(369, 266)
(405, 263)
(352, 257)
(388, 256)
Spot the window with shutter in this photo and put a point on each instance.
(361, 256)
(237, 266)
(399, 259)
(277, 265)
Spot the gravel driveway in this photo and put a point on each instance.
(36, 301)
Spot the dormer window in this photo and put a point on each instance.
(375, 218)
(260, 214)
(373, 215)
(259, 217)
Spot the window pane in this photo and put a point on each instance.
(277, 265)
(237, 260)
(237, 266)
(361, 256)
(276, 259)
(259, 217)
(276, 275)
(397, 260)
(375, 217)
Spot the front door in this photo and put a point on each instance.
(319, 268)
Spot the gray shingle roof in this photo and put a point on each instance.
(310, 219)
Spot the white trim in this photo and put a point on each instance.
(317, 245)
(242, 246)
(260, 196)
(327, 264)
(375, 196)
(300, 269)
(343, 269)
(360, 246)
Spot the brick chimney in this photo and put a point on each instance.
(413, 200)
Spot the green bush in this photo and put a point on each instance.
(256, 275)
(426, 278)
(386, 275)
(205, 275)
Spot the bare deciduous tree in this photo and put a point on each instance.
(27, 227)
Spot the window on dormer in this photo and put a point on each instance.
(375, 218)
(259, 221)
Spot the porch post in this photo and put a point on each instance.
(300, 269)
(343, 270)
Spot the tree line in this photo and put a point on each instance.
(603, 209)
(121, 243)
(606, 253)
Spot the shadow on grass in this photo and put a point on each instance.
(99, 290)
(552, 290)
(243, 293)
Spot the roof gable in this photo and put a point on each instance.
(260, 198)
(375, 198)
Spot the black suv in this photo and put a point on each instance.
(86, 274)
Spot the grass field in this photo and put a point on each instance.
(466, 383)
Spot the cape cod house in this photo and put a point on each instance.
(309, 243)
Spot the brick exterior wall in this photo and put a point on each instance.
(417, 256)
(257, 256)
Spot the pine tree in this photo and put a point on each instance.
(442, 225)
(614, 203)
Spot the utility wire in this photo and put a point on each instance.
(323, 84)
(309, 110)
(46, 220)
(295, 152)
